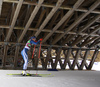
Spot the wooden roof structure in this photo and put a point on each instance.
(63, 24)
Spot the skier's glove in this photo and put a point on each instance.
(41, 39)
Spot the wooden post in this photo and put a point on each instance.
(48, 57)
(76, 58)
(57, 57)
(16, 55)
(67, 60)
(93, 59)
(36, 59)
(5, 54)
(84, 60)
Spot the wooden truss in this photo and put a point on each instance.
(71, 28)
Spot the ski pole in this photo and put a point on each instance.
(39, 55)
(39, 50)
(33, 51)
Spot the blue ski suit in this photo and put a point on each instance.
(25, 50)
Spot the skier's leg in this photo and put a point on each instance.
(25, 57)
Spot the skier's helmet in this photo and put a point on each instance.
(33, 37)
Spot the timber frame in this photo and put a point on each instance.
(70, 30)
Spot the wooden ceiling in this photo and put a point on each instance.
(69, 23)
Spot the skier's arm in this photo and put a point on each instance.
(35, 43)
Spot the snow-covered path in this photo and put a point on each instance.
(64, 78)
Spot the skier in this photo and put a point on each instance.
(30, 42)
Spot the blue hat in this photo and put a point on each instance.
(33, 37)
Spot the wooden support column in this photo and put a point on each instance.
(84, 60)
(48, 57)
(76, 58)
(16, 55)
(5, 54)
(36, 59)
(93, 59)
(77, 63)
(67, 60)
(57, 57)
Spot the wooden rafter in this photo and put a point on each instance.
(67, 15)
(53, 20)
(77, 41)
(77, 21)
(12, 13)
(95, 42)
(46, 30)
(14, 19)
(80, 31)
(89, 41)
(28, 12)
(40, 18)
(49, 17)
(30, 20)
(1, 1)
(52, 6)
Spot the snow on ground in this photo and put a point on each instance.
(65, 78)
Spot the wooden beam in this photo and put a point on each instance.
(84, 60)
(53, 46)
(80, 31)
(49, 17)
(77, 21)
(63, 26)
(48, 57)
(77, 41)
(75, 60)
(36, 59)
(47, 30)
(16, 56)
(40, 18)
(14, 20)
(67, 60)
(89, 41)
(27, 14)
(30, 20)
(67, 15)
(12, 13)
(53, 20)
(1, 1)
(52, 6)
(5, 55)
(95, 43)
(93, 59)
(57, 57)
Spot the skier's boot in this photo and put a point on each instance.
(24, 73)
